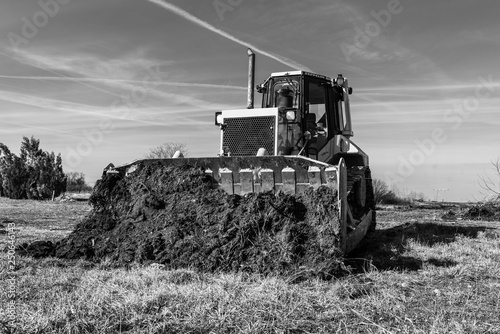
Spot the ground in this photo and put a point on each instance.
(424, 270)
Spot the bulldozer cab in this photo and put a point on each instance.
(312, 109)
(302, 114)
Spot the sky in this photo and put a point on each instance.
(105, 81)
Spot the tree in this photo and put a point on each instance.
(488, 184)
(35, 174)
(380, 190)
(46, 175)
(384, 194)
(13, 174)
(416, 196)
(166, 150)
(76, 182)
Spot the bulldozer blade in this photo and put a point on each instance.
(254, 174)
(289, 174)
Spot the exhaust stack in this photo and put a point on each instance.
(251, 79)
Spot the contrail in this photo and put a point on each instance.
(22, 61)
(78, 108)
(181, 12)
(106, 80)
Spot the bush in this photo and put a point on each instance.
(167, 150)
(384, 195)
(491, 184)
(392, 198)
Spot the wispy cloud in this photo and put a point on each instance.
(106, 80)
(48, 66)
(88, 64)
(58, 105)
(139, 115)
(188, 16)
(87, 70)
(14, 128)
(425, 87)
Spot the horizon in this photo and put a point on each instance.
(106, 82)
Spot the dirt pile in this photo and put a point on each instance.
(37, 249)
(449, 215)
(488, 211)
(3, 226)
(174, 216)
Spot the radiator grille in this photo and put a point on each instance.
(245, 135)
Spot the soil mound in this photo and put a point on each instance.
(487, 211)
(37, 249)
(174, 216)
(450, 215)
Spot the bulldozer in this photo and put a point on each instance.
(298, 139)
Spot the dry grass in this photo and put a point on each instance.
(416, 275)
(42, 220)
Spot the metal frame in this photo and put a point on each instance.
(257, 112)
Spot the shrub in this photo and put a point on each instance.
(491, 184)
(384, 195)
(167, 150)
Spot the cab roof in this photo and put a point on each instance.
(282, 74)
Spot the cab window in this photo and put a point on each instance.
(284, 94)
(340, 110)
(316, 102)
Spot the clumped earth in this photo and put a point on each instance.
(176, 217)
(488, 211)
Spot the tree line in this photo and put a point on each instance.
(38, 174)
(35, 173)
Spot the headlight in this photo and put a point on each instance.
(290, 115)
(340, 80)
(218, 118)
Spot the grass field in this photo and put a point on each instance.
(416, 274)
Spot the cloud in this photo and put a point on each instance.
(145, 95)
(184, 14)
(123, 67)
(112, 81)
(57, 105)
(47, 64)
(146, 116)
(428, 87)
